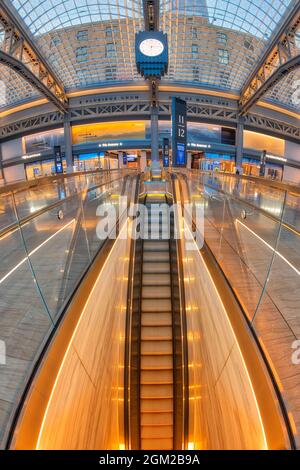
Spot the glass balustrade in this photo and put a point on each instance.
(253, 231)
(48, 239)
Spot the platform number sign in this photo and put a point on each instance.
(179, 132)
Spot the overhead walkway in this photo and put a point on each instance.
(153, 344)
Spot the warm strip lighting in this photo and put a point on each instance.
(33, 155)
(74, 333)
(274, 157)
(270, 247)
(34, 251)
(265, 445)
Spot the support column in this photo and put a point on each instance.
(68, 146)
(239, 142)
(143, 160)
(154, 136)
(189, 160)
(1, 167)
(120, 159)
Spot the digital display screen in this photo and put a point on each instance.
(59, 168)
(180, 154)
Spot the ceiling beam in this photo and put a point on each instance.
(18, 52)
(280, 58)
(151, 15)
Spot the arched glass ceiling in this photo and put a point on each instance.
(287, 91)
(13, 88)
(218, 42)
(214, 43)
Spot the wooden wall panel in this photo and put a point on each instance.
(86, 407)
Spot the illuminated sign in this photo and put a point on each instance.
(33, 155)
(111, 144)
(199, 146)
(274, 157)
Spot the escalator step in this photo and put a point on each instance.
(156, 280)
(163, 405)
(156, 377)
(156, 362)
(156, 432)
(153, 392)
(157, 444)
(156, 333)
(156, 268)
(157, 419)
(155, 348)
(156, 245)
(156, 305)
(157, 319)
(152, 292)
(156, 256)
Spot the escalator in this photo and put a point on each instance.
(156, 347)
(155, 366)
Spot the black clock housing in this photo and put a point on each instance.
(151, 67)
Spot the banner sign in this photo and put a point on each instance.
(179, 132)
(58, 159)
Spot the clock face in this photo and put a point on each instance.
(151, 47)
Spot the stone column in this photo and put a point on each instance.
(68, 146)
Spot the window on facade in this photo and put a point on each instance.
(194, 33)
(248, 45)
(196, 74)
(55, 41)
(82, 35)
(250, 60)
(224, 77)
(110, 50)
(81, 54)
(194, 50)
(221, 38)
(108, 32)
(223, 56)
(110, 73)
(82, 74)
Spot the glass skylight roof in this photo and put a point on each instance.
(213, 43)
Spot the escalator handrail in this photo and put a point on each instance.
(183, 326)
(128, 432)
